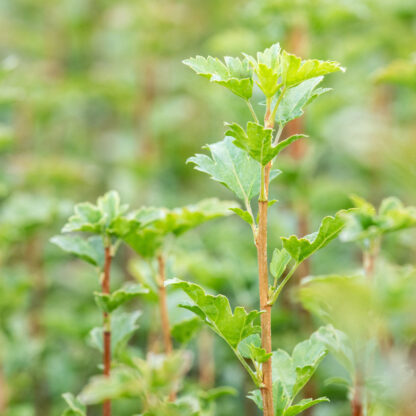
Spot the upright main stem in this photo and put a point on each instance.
(261, 244)
(105, 286)
(266, 322)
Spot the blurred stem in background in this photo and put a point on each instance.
(34, 261)
(105, 286)
(163, 307)
(206, 363)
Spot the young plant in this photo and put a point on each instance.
(243, 162)
(146, 231)
(151, 242)
(352, 340)
(366, 226)
(107, 223)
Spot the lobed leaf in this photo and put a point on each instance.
(216, 312)
(75, 407)
(302, 248)
(364, 223)
(250, 348)
(110, 302)
(235, 74)
(123, 325)
(149, 380)
(179, 220)
(91, 250)
(290, 375)
(295, 99)
(256, 141)
(156, 223)
(267, 69)
(232, 167)
(338, 344)
(295, 71)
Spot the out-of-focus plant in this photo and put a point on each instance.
(155, 381)
(108, 223)
(358, 307)
(243, 163)
(400, 72)
(366, 226)
(152, 243)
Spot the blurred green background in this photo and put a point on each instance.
(93, 96)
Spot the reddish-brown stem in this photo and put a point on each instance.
(356, 401)
(266, 333)
(105, 287)
(163, 307)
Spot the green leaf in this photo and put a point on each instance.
(91, 250)
(145, 242)
(245, 215)
(216, 312)
(109, 302)
(213, 394)
(267, 69)
(87, 218)
(291, 373)
(295, 99)
(179, 220)
(110, 206)
(257, 141)
(244, 345)
(280, 260)
(123, 325)
(364, 223)
(306, 357)
(235, 74)
(295, 71)
(324, 296)
(302, 248)
(149, 380)
(259, 354)
(400, 72)
(338, 344)
(232, 167)
(339, 381)
(156, 223)
(105, 217)
(75, 407)
(185, 330)
(250, 347)
(303, 405)
(286, 142)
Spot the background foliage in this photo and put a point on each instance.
(93, 96)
